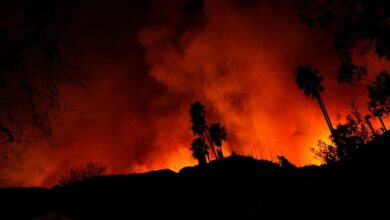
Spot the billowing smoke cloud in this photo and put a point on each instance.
(150, 61)
(239, 59)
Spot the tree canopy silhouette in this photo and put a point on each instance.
(350, 137)
(379, 94)
(347, 139)
(197, 113)
(199, 150)
(217, 135)
(309, 80)
(326, 153)
(32, 70)
(355, 24)
(214, 135)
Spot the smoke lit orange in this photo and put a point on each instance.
(239, 61)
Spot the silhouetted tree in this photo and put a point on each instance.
(352, 135)
(379, 93)
(199, 150)
(309, 80)
(197, 113)
(348, 138)
(78, 174)
(326, 153)
(356, 24)
(217, 135)
(367, 118)
(199, 125)
(32, 69)
(214, 135)
(379, 113)
(347, 143)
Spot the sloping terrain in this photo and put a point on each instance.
(237, 187)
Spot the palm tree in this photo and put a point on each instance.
(367, 118)
(217, 135)
(199, 126)
(309, 80)
(379, 94)
(379, 113)
(199, 150)
(197, 113)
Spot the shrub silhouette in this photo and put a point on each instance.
(78, 174)
(347, 139)
(326, 153)
(352, 135)
(286, 164)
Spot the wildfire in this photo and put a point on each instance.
(133, 117)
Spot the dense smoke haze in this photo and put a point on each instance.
(148, 61)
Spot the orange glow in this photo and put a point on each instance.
(134, 116)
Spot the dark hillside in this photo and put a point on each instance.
(237, 187)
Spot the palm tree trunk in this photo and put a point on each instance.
(221, 152)
(382, 123)
(211, 144)
(328, 121)
(327, 118)
(370, 126)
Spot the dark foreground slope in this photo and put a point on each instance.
(234, 188)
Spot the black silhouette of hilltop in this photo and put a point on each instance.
(237, 187)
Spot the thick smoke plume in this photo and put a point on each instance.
(151, 60)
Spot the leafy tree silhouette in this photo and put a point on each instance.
(367, 118)
(199, 150)
(348, 142)
(379, 113)
(326, 153)
(309, 80)
(356, 24)
(32, 70)
(348, 139)
(352, 135)
(379, 94)
(199, 126)
(197, 113)
(217, 135)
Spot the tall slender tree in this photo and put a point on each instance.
(379, 93)
(217, 135)
(379, 113)
(367, 118)
(199, 125)
(309, 80)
